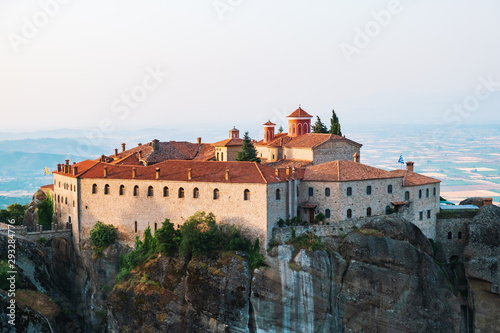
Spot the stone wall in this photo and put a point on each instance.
(454, 246)
(427, 223)
(335, 150)
(66, 195)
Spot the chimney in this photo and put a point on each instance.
(58, 167)
(139, 154)
(75, 170)
(105, 171)
(139, 144)
(227, 174)
(134, 172)
(116, 151)
(276, 173)
(190, 174)
(356, 157)
(294, 173)
(103, 158)
(409, 166)
(157, 173)
(487, 201)
(67, 162)
(156, 144)
(288, 171)
(66, 168)
(198, 140)
(123, 147)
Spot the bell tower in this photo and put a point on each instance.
(299, 123)
(269, 131)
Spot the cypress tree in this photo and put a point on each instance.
(248, 151)
(319, 127)
(335, 125)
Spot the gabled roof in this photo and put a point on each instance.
(229, 142)
(177, 170)
(414, 179)
(269, 123)
(341, 171)
(299, 113)
(308, 140)
(83, 167)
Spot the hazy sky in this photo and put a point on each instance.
(89, 64)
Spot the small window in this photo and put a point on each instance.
(122, 190)
(327, 192)
(328, 213)
(73, 203)
(389, 189)
(278, 194)
(388, 210)
(420, 194)
(216, 194)
(420, 216)
(71, 187)
(349, 191)
(196, 193)
(106, 189)
(156, 226)
(181, 192)
(135, 226)
(428, 213)
(246, 195)
(58, 199)
(150, 191)
(459, 235)
(450, 235)
(222, 156)
(368, 190)
(407, 195)
(311, 191)
(136, 190)
(66, 200)
(427, 193)
(434, 191)
(69, 219)
(349, 213)
(59, 184)
(165, 191)
(94, 189)
(369, 211)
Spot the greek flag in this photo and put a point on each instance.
(401, 160)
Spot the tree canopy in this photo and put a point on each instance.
(248, 151)
(13, 212)
(335, 125)
(319, 127)
(46, 211)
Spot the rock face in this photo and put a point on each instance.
(383, 279)
(481, 260)
(31, 216)
(476, 201)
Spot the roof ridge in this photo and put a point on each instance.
(84, 172)
(260, 171)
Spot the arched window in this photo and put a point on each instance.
(293, 129)
(369, 211)
(278, 194)
(94, 189)
(69, 219)
(434, 191)
(427, 193)
(135, 226)
(407, 195)
(122, 190)
(106, 189)
(420, 194)
(222, 156)
(327, 213)
(311, 191)
(299, 129)
(369, 190)
(459, 235)
(218, 157)
(327, 192)
(58, 199)
(165, 191)
(349, 191)
(389, 189)
(216, 194)
(246, 195)
(181, 192)
(66, 200)
(349, 213)
(150, 191)
(450, 235)
(136, 190)
(156, 226)
(196, 193)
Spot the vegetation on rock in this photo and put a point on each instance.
(46, 211)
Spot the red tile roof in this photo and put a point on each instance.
(414, 179)
(49, 187)
(299, 113)
(341, 171)
(288, 163)
(269, 123)
(177, 170)
(229, 142)
(309, 140)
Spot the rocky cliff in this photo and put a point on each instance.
(381, 277)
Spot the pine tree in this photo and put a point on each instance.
(248, 151)
(335, 125)
(319, 127)
(280, 130)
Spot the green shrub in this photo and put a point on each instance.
(46, 211)
(42, 240)
(320, 217)
(167, 238)
(308, 241)
(281, 223)
(102, 235)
